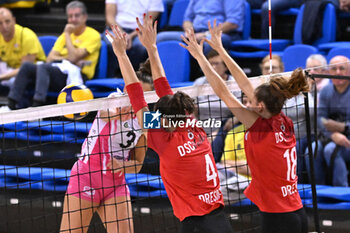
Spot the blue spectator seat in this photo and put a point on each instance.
(288, 12)
(252, 48)
(47, 43)
(295, 56)
(177, 13)
(100, 85)
(326, 47)
(345, 51)
(101, 68)
(176, 61)
(247, 21)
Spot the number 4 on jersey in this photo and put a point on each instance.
(211, 174)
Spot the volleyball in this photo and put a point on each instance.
(74, 93)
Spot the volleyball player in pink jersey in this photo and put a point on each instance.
(269, 139)
(187, 166)
(115, 145)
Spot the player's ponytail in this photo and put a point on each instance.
(279, 89)
(177, 106)
(144, 74)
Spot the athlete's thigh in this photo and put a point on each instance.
(282, 222)
(77, 214)
(116, 214)
(215, 222)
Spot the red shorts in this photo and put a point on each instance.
(92, 184)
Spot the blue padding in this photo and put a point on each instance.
(14, 126)
(244, 202)
(106, 84)
(144, 180)
(8, 135)
(143, 191)
(34, 173)
(11, 183)
(260, 44)
(304, 190)
(328, 205)
(43, 138)
(337, 193)
(334, 206)
(37, 185)
(181, 84)
(49, 126)
(257, 54)
(60, 126)
(54, 186)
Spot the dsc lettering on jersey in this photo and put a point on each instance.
(289, 189)
(210, 197)
(186, 148)
(279, 137)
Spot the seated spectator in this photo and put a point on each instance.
(233, 157)
(123, 14)
(344, 5)
(78, 46)
(212, 107)
(334, 121)
(276, 62)
(317, 64)
(228, 13)
(17, 45)
(295, 109)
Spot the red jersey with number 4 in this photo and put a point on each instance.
(188, 170)
(272, 159)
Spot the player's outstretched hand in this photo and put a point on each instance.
(147, 32)
(195, 49)
(118, 41)
(215, 32)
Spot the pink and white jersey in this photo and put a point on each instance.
(114, 138)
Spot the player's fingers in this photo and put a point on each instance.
(183, 45)
(109, 36)
(185, 39)
(139, 23)
(202, 42)
(155, 26)
(209, 26)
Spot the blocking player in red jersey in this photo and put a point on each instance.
(269, 139)
(187, 165)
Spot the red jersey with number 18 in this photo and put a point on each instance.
(188, 170)
(271, 154)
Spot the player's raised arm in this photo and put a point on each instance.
(147, 33)
(236, 71)
(246, 116)
(132, 83)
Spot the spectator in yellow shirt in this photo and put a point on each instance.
(17, 45)
(73, 59)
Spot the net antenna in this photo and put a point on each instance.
(270, 36)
